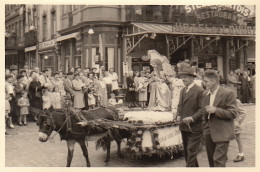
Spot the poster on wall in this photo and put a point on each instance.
(125, 68)
(208, 65)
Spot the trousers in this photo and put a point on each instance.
(216, 152)
(191, 144)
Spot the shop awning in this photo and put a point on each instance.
(146, 28)
(11, 52)
(69, 36)
(32, 48)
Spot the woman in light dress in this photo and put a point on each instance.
(78, 87)
(142, 89)
(160, 96)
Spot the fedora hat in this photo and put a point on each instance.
(13, 67)
(188, 71)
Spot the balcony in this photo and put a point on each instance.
(11, 41)
(30, 38)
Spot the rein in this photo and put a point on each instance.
(67, 118)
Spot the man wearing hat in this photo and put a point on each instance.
(188, 113)
(44, 79)
(14, 71)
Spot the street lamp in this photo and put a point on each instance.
(90, 31)
(46, 57)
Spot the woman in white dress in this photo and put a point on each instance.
(142, 89)
(78, 87)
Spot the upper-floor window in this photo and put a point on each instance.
(29, 19)
(44, 27)
(53, 23)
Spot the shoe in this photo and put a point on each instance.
(24, 124)
(239, 158)
(11, 126)
(20, 124)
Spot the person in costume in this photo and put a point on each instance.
(160, 96)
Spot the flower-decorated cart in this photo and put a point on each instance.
(156, 134)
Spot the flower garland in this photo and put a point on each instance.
(135, 150)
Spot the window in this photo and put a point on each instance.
(53, 23)
(29, 20)
(109, 58)
(44, 28)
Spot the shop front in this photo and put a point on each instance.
(47, 56)
(30, 57)
(206, 47)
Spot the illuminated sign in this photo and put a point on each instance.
(240, 9)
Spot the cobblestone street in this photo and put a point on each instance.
(23, 149)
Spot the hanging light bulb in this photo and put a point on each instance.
(153, 36)
(90, 31)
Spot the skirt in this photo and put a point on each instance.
(79, 101)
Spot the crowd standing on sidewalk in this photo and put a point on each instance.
(157, 90)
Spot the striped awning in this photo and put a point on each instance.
(146, 28)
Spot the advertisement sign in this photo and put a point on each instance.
(47, 44)
(125, 68)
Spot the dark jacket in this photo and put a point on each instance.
(221, 123)
(189, 105)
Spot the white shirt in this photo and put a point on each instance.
(213, 96)
(108, 80)
(189, 87)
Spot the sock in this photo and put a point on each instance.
(241, 154)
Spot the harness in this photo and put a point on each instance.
(79, 116)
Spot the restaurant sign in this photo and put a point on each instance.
(239, 9)
(203, 28)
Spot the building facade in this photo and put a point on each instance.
(119, 36)
(14, 35)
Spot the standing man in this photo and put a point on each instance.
(218, 112)
(69, 88)
(188, 112)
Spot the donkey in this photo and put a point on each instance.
(57, 121)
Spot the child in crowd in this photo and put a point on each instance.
(91, 99)
(237, 124)
(112, 101)
(7, 109)
(46, 99)
(57, 98)
(24, 104)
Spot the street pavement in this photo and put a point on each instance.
(23, 149)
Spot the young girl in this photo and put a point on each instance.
(112, 101)
(56, 101)
(91, 99)
(24, 104)
(142, 89)
(237, 124)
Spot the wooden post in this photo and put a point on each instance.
(123, 77)
(167, 48)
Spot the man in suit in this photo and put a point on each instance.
(244, 79)
(188, 112)
(218, 113)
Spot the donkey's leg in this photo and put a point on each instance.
(70, 144)
(119, 153)
(84, 150)
(108, 150)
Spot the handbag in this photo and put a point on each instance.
(37, 94)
